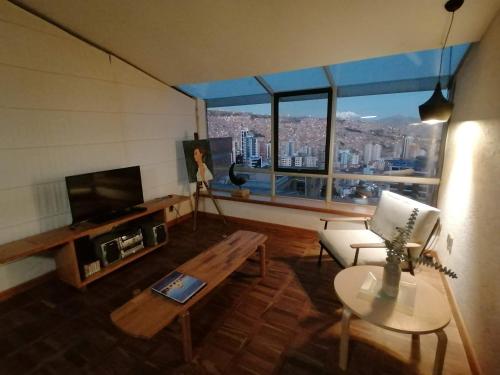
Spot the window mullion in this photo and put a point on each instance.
(331, 157)
(273, 146)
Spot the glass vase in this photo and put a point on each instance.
(391, 279)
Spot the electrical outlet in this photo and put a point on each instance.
(449, 243)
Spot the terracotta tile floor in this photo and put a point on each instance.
(286, 323)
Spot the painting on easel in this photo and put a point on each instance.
(199, 167)
(198, 160)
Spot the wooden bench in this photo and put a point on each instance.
(148, 313)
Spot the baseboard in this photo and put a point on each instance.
(8, 293)
(179, 219)
(462, 329)
(240, 220)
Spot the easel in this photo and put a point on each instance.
(199, 186)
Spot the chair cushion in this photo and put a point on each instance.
(338, 242)
(393, 210)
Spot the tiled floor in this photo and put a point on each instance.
(286, 323)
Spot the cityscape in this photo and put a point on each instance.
(396, 146)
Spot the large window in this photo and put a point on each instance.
(383, 135)
(302, 131)
(379, 143)
(243, 136)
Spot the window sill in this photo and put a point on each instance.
(335, 208)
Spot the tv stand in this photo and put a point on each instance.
(61, 242)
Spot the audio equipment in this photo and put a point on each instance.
(155, 233)
(130, 242)
(114, 246)
(107, 248)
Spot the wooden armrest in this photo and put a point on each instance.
(328, 219)
(381, 245)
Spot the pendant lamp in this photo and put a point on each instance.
(438, 109)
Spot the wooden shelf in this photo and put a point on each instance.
(62, 242)
(113, 267)
(334, 208)
(32, 245)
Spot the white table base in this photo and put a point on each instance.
(344, 344)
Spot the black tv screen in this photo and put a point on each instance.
(93, 196)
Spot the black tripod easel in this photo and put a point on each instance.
(199, 187)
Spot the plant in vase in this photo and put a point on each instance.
(396, 253)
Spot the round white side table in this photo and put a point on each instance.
(430, 313)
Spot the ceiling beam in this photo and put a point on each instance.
(264, 84)
(329, 76)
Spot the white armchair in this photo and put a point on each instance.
(350, 247)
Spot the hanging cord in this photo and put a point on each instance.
(444, 45)
(449, 75)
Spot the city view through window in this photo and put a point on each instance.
(249, 130)
(302, 133)
(374, 135)
(383, 135)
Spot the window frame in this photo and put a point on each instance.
(329, 172)
(275, 126)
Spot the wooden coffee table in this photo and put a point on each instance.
(148, 313)
(430, 312)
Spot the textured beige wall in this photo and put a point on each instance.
(469, 197)
(67, 108)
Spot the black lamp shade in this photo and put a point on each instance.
(437, 108)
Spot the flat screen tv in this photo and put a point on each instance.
(101, 196)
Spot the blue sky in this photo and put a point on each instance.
(405, 104)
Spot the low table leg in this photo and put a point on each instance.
(185, 322)
(344, 337)
(262, 251)
(440, 352)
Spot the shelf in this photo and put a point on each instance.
(38, 243)
(334, 208)
(113, 267)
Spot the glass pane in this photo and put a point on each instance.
(301, 187)
(249, 127)
(382, 134)
(224, 89)
(297, 80)
(302, 132)
(368, 192)
(257, 183)
(411, 65)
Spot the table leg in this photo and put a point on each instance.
(440, 352)
(344, 337)
(185, 322)
(415, 347)
(262, 251)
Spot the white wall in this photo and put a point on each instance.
(469, 196)
(67, 108)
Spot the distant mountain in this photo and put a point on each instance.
(396, 121)
(347, 115)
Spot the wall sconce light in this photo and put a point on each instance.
(438, 109)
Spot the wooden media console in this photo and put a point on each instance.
(63, 242)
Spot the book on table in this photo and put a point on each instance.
(178, 286)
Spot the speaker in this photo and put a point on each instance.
(107, 249)
(154, 233)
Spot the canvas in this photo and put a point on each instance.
(198, 160)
